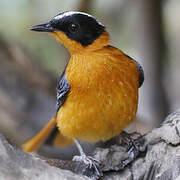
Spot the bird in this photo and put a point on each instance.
(97, 93)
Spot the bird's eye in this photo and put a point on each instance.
(73, 28)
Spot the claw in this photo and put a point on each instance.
(89, 161)
(131, 139)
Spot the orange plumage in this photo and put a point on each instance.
(103, 95)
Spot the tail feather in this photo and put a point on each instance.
(34, 143)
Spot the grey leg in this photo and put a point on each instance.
(78, 145)
(88, 160)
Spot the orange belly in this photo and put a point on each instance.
(103, 96)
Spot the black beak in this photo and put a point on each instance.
(43, 28)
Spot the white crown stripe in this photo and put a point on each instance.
(70, 13)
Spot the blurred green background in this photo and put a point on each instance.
(30, 63)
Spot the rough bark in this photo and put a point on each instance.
(158, 158)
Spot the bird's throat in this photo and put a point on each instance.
(75, 47)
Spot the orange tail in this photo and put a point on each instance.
(34, 143)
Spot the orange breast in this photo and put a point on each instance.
(103, 97)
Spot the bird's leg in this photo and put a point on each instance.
(80, 149)
(88, 160)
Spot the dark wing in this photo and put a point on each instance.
(141, 72)
(62, 91)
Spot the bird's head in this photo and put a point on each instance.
(78, 31)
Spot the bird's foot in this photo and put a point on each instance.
(131, 139)
(134, 143)
(90, 162)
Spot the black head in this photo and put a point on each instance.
(77, 26)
